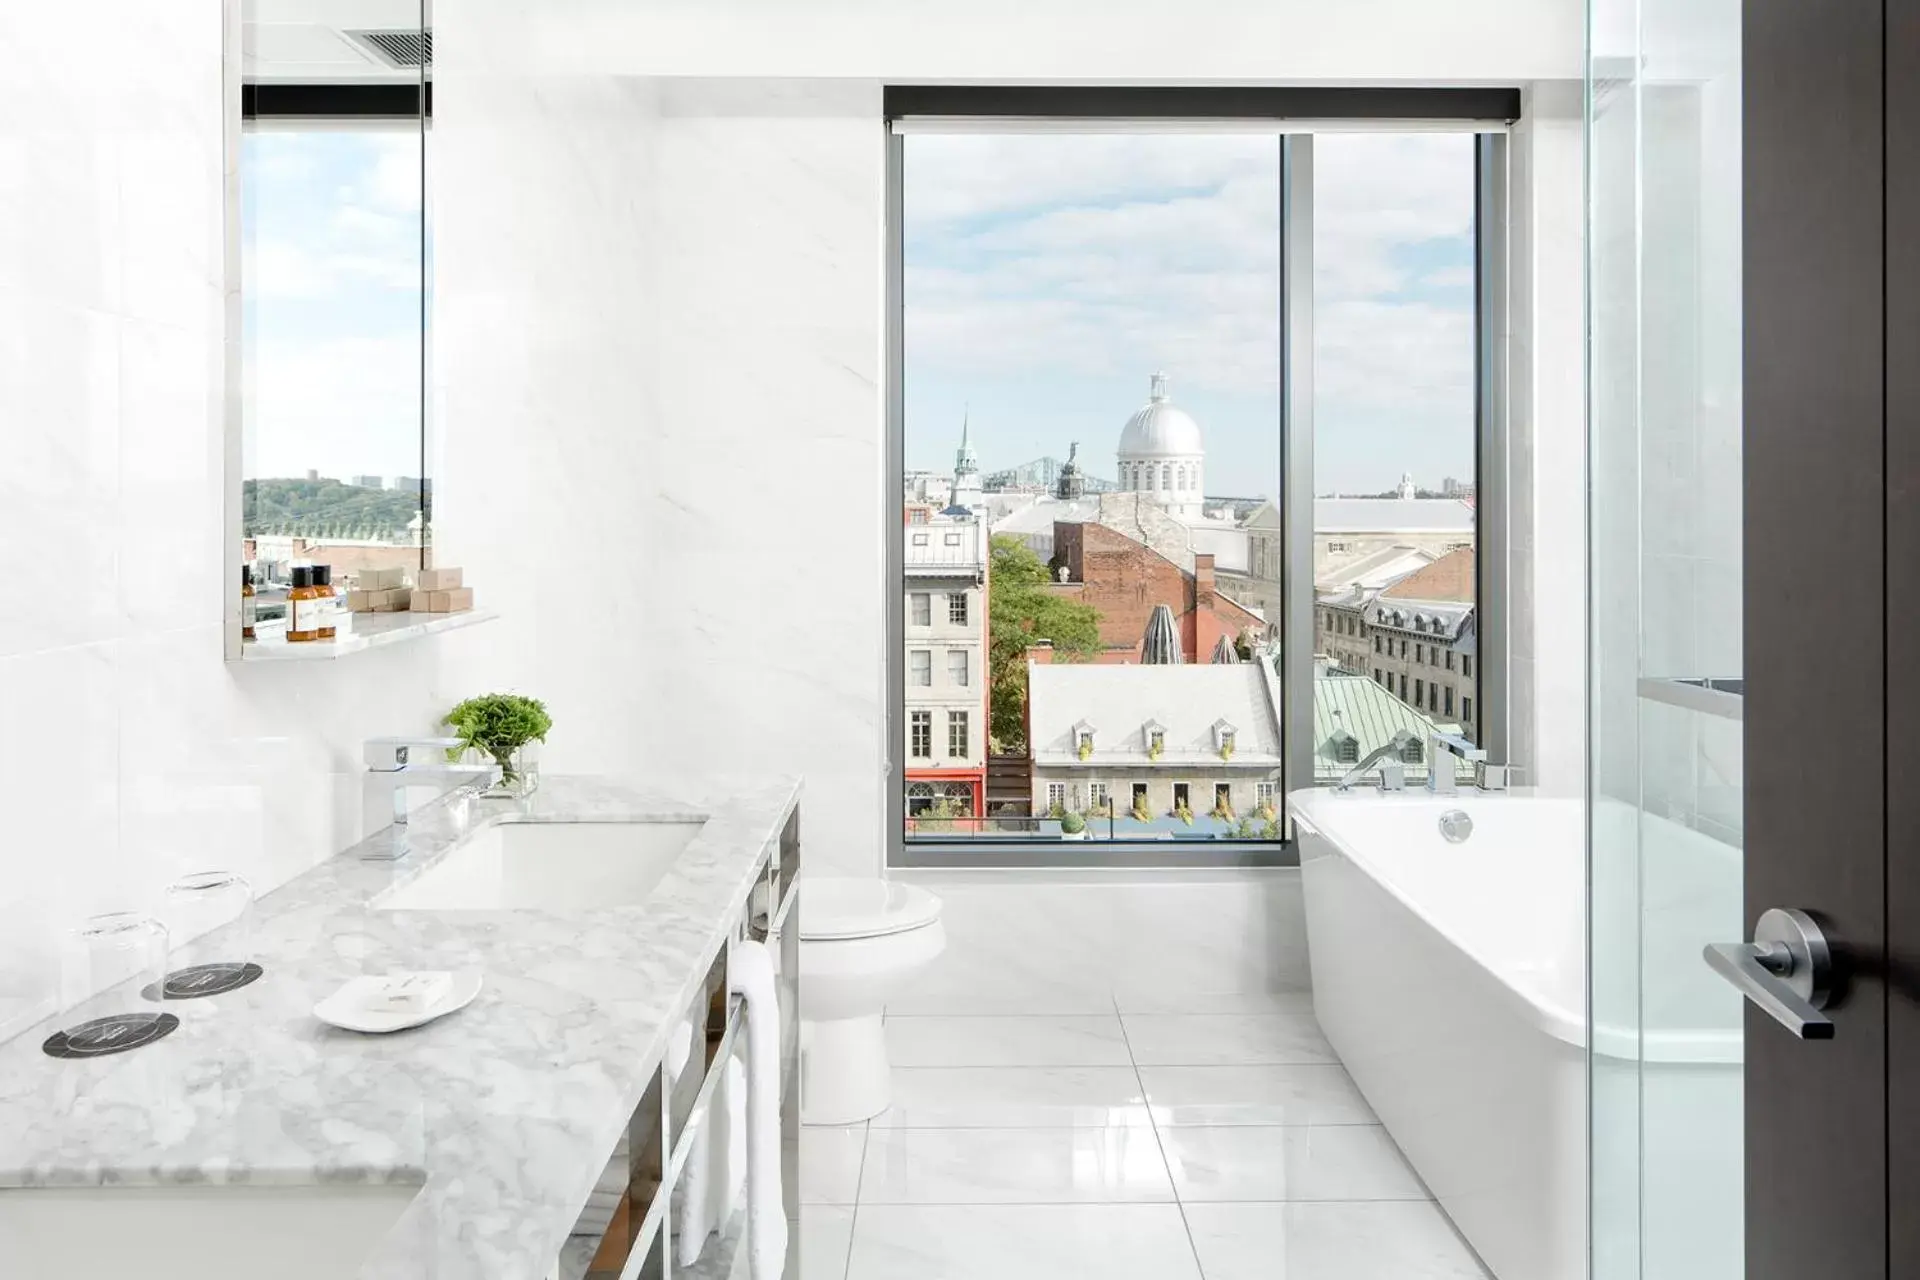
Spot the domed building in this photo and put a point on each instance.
(1161, 453)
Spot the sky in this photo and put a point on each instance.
(1048, 276)
(331, 265)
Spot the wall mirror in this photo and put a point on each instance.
(332, 316)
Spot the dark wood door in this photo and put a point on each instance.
(1831, 92)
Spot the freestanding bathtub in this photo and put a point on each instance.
(1452, 980)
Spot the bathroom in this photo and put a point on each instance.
(616, 355)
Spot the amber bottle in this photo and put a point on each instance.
(301, 612)
(323, 584)
(248, 605)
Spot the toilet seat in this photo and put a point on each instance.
(837, 908)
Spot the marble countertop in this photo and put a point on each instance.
(505, 1112)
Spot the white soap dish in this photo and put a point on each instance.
(348, 1009)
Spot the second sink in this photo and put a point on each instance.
(547, 865)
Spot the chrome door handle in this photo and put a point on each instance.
(1787, 970)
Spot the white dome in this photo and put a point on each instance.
(1159, 430)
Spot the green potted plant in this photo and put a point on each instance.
(1184, 813)
(1072, 826)
(1141, 813)
(1086, 748)
(1226, 749)
(1223, 809)
(503, 726)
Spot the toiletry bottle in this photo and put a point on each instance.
(329, 601)
(301, 606)
(249, 607)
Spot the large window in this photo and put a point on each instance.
(1087, 388)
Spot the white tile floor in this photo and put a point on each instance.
(1141, 1144)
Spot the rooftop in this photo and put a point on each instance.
(1186, 702)
(945, 548)
(1364, 708)
(1392, 515)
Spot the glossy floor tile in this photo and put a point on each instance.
(1267, 1094)
(1189, 1002)
(1015, 1166)
(826, 1239)
(1021, 1242)
(1337, 1162)
(830, 1157)
(1083, 1041)
(1383, 1240)
(1013, 1098)
(1226, 1039)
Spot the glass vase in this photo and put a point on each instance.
(519, 773)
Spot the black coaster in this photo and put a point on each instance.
(204, 980)
(104, 1036)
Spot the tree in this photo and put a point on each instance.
(1020, 612)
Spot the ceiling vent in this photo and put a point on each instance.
(398, 48)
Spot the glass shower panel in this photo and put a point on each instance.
(1665, 824)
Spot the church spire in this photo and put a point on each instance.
(964, 461)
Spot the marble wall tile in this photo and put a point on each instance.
(1034, 945)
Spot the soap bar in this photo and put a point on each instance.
(437, 580)
(455, 601)
(395, 600)
(408, 992)
(379, 579)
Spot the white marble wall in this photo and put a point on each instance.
(130, 751)
(1059, 943)
(660, 333)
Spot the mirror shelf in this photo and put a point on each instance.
(370, 631)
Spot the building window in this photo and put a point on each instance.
(917, 516)
(1376, 644)
(957, 608)
(1466, 664)
(1139, 799)
(1083, 743)
(1056, 797)
(957, 667)
(921, 746)
(1420, 653)
(1336, 546)
(1466, 710)
(1182, 796)
(1449, 710)
(1403, 646)
(1379, 677)
(1097, 797)
(1419, 693)
(920, 668)
(1403, 686)
(1156, 742)
(920, 609)
(1263, 793)
(957, 735)
(951, 540)
(919, 539)
(1449, 659)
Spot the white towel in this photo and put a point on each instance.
(751, 975)
(716, 1165)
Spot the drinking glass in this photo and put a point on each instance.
(106, 966)
(209, 915)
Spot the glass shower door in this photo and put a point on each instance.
(1665, 836)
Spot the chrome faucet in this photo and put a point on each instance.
(403, 764)
(1442, 747)
(1393, 776)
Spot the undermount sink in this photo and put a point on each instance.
(197, 1232)
(548, 866)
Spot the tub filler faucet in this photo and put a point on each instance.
(1442, 747)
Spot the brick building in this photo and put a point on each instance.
(1124, 579)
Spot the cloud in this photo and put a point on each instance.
(1104, 255)
(345, 405)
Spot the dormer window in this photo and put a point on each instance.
(1083, 739)
(1154, 735)
(1223, 736)
(1413, 751)
(1344, 747)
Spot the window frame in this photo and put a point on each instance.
(1294, 114)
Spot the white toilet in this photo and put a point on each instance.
(860, 942)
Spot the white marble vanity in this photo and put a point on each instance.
(257, 1140)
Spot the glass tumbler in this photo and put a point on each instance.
(110, 961)
(209, 916)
